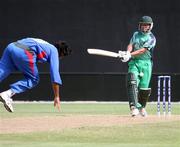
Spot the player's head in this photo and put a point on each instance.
(145, 24)
(63, 48)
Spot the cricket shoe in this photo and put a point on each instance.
(134, 111)
(7, 101)
(143, 112)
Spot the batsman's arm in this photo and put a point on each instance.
(130, 47)
(56, 90)
(137, 52)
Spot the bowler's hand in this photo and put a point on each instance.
(57, 103)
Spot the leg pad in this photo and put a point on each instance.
(132, 90)
(143, 96)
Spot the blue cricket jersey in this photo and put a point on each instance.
(45, 52)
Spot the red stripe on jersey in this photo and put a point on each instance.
(30, 57)
(41, 55)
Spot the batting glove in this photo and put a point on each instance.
(126, 57)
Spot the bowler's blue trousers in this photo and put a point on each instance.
(18, 59)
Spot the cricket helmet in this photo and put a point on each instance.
(146, 20)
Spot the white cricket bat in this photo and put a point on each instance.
(102, 52)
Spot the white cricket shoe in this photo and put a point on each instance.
(134, 111)
(7, 101)
(143, 112)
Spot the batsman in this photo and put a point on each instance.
(140, 54)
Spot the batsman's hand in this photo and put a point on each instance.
(57, 103)
(121, 54)
(126, 57)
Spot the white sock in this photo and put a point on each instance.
(9, 92)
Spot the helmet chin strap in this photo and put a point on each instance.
(147, 31)
(150, 28)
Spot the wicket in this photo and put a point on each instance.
(166, 91)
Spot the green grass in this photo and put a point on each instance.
(164, 134)
(142, 135)
(40, 109)
(35, 109)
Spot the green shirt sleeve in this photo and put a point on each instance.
(150, 43)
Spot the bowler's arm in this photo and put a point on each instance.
(56, 88)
